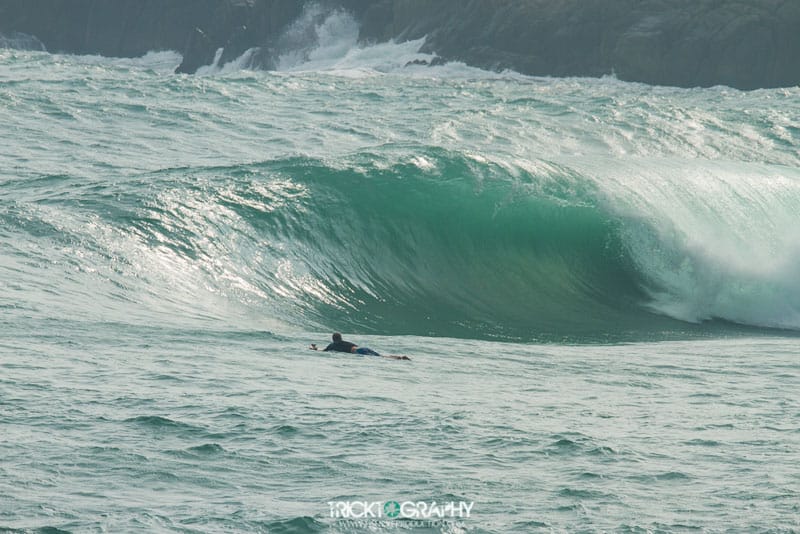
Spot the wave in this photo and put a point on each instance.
(426, 241)
(162, 62)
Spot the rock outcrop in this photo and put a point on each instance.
(739, 43)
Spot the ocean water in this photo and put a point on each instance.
(598, 284)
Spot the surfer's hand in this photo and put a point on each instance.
(313, 347)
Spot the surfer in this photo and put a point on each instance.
(339, 345)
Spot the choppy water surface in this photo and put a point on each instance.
(122, 428)
(597, 283)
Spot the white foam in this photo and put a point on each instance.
(713, 239)
(160, 61)
(326, 41)
(165, 61)
(215, 67)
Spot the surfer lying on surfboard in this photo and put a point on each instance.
(339, 345)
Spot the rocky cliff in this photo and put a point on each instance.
(739, 43)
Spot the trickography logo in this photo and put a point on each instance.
(414, 510)
(392, 509)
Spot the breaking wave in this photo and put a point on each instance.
(433, 242)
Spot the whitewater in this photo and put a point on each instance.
(598, 283)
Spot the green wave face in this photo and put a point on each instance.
(462, 251)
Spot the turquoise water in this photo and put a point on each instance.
(597, 283)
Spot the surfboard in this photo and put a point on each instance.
(387, 356)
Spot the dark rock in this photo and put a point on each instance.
(199, 51)
(436, 61)
(262, 58)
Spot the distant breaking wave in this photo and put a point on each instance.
(326, 40)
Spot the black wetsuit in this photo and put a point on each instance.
(340, 346)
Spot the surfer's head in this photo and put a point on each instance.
(337, 337)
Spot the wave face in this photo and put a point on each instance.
(354, 191)
(441, 244)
